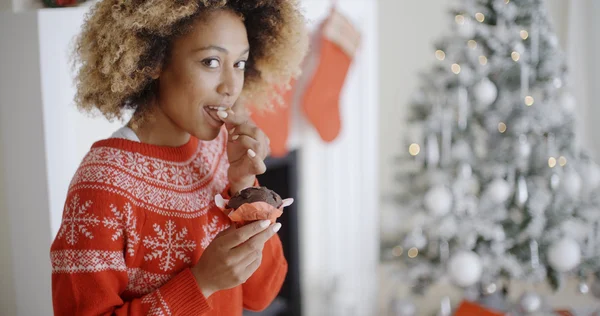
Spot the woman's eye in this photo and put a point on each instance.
(241, 65)
(211, 63)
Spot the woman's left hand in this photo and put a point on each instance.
(247, 148)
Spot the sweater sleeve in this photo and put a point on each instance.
(89, 271)
(264, 285)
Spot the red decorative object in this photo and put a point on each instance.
(61, 3)
(467, 308)
(338, 42)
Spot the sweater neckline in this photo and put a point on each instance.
(176, 154)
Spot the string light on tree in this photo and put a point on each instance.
(529, 100)
(397, 251)
(440, 55)
(466, 27)
(413, 252)
(460, 19)
(414, 149)
(456, 68)
(483, 60)
(562, 161)
(515, 56)
(551, 162)
(472, 44)
(501, 127)
(479, 17)
(524, 34)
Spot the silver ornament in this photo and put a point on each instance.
(403, 307)
(466, 171)
(522, 193)
(445, 307)
(516, 215)
(554, 181)
(433, 151)
(583, 287)
(524, 148)
(490, 288)
(530, 302)
(557, 83)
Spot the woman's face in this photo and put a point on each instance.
(205, 71)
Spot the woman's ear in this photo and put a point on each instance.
(155, 73)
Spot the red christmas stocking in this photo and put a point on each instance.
(338, 43)
(275, 124)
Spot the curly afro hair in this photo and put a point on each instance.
(123, 42)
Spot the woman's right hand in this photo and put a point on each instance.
(233, 256)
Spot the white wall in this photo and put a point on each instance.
(5, 5)
(7, 292)
(20, 5)
(23, 163)
(39, 145)
(407, 32)
(338, 185)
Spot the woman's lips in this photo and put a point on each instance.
(213, 117)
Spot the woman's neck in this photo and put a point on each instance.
(158, 129)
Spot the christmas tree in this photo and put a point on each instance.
(494, 185)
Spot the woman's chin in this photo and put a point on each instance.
(207, 133)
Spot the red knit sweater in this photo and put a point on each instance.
(136, 218)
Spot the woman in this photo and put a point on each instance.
(140, 231)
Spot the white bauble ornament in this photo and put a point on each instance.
(402, 307)
(466, 29)
(557, 82)
(465, 268)
(554, 181)
(530, 302)
(524, 147)
(568, 102)
(564, 255)
(571, 183)
(498, 191)
(461, 150)
(438, 200)
(485, 93)
(583, 287)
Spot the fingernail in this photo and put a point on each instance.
(221, 108)
(251, 153)
(277, 227)
(265, 223)
(234, 137)
(222, 114)
(231, 131)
